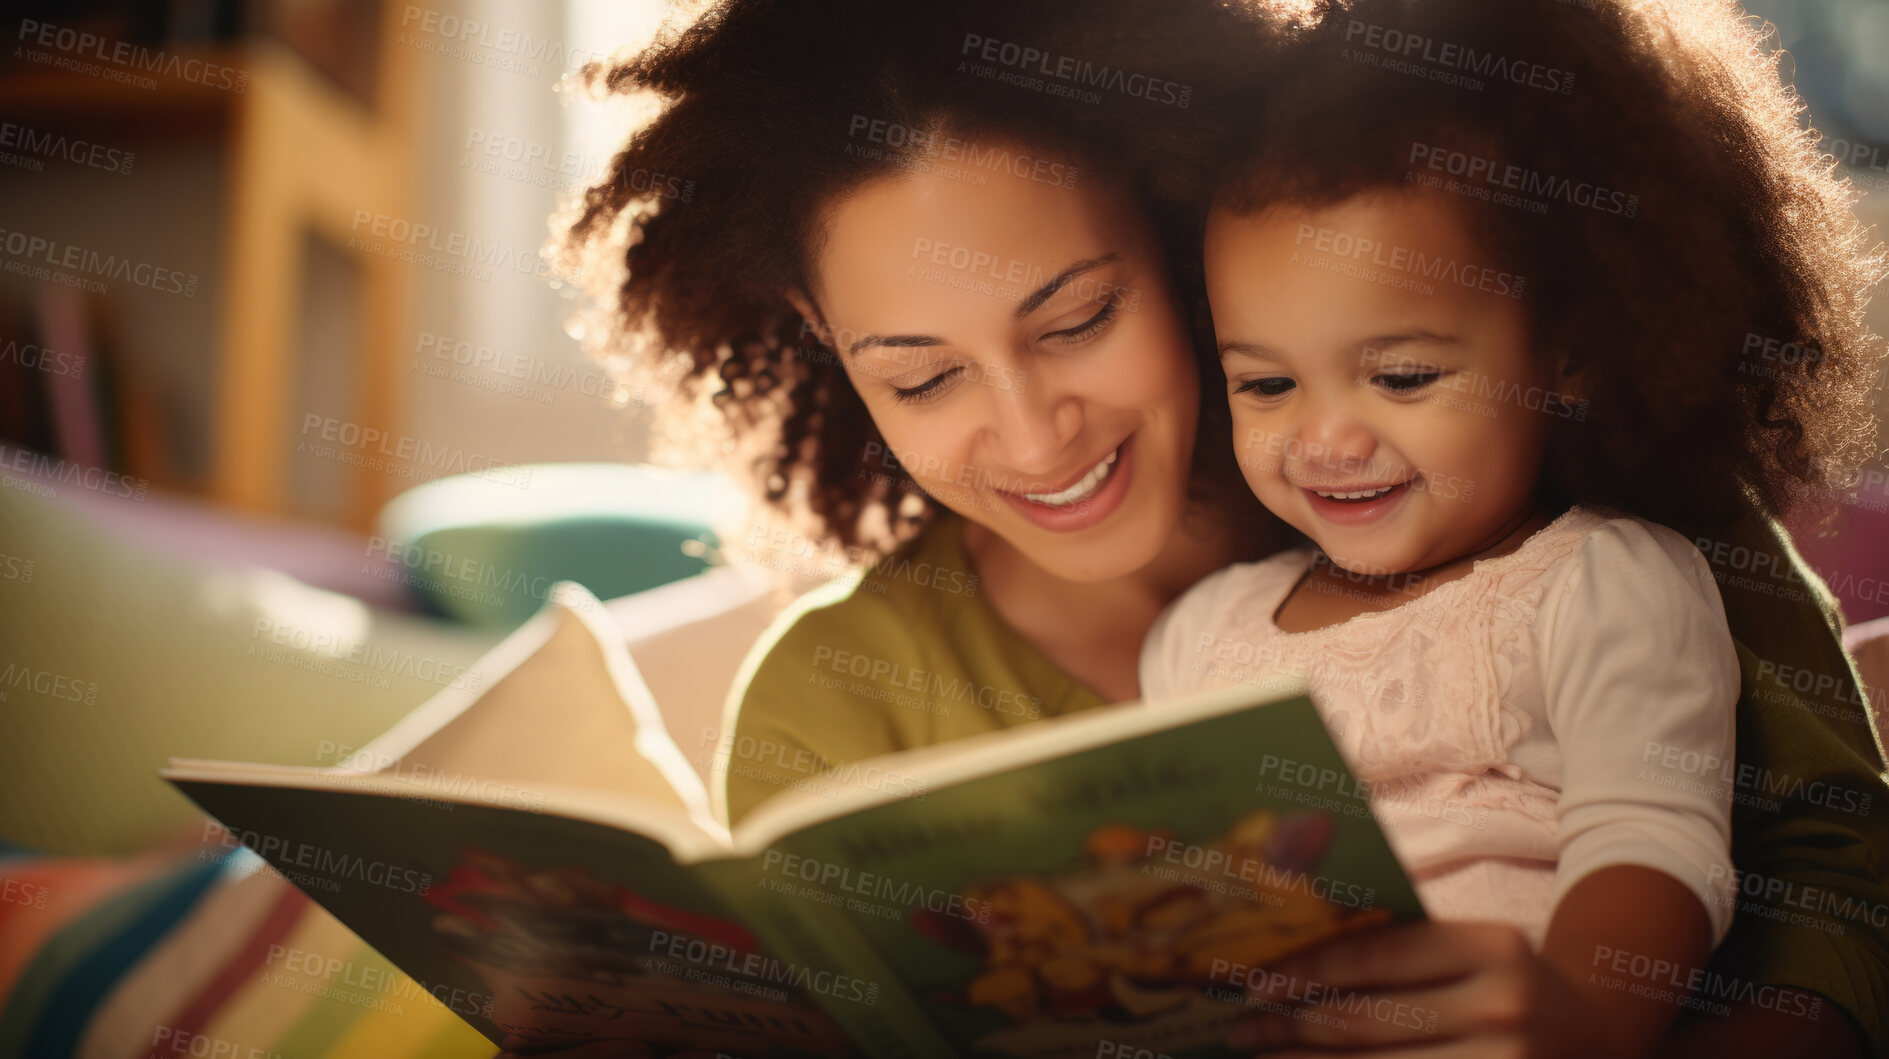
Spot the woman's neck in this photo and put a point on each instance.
(1094, 629)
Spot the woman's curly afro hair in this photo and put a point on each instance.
(769, 110)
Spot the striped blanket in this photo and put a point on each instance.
(206, 954)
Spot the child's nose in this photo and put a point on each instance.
(1331, 436)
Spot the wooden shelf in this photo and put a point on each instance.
(303, 155)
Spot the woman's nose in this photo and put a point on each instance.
(1030, 427)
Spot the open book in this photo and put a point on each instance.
(540, 857)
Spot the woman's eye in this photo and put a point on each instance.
(1091, 327)
(1271, 386)
(1404, 382)
(925, 390)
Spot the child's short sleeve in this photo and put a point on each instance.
(1170, 665)
(1641, 680)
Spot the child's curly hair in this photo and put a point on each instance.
(1685, 243)
(769, 111)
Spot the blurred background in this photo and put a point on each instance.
(286, 378)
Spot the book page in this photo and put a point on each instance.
(859, 785)
(562, 705)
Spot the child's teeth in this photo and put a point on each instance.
(1082, 489)
(1357, 495)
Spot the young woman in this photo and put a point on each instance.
(926, 278)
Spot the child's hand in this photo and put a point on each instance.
(1435, 989)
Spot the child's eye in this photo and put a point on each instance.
(1408, 381)
(924, 391)
(1270, 386)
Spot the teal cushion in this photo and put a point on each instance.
(486, 549)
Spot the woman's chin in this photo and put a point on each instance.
(1118, 548)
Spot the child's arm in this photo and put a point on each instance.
(1640, 681)
(1632, 943)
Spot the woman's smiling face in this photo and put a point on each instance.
(1017, 344)
(1385, 398)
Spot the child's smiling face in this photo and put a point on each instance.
(1371, 347)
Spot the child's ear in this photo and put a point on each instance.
(811, 321)
(1571, 379)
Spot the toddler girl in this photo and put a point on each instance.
(1486, 341)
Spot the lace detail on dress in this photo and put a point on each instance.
(1432, 693)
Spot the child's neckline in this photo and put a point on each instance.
(1477, 569)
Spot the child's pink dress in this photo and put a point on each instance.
(1561, 708)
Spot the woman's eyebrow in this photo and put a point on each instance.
(1048, 290)
(1024, 308)
(901, 341)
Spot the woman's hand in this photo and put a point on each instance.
(1430, 990)
(1608, 981)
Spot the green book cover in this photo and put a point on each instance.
(1100, 883)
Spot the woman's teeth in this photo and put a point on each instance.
(1081, 490)
(1362, 494)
